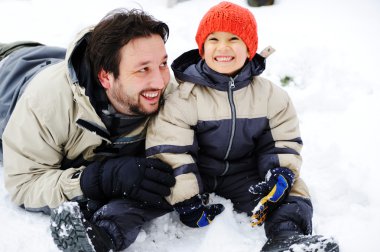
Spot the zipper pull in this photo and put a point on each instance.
(232, 83)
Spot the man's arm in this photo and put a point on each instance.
(33, 143)
(42, 136)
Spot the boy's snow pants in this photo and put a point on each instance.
(293, 216)
(123, 219)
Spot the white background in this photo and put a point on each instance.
(329, 48)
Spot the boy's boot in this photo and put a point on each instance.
(72, 232)
(298, 242)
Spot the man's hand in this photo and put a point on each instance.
(193, 213)
(141, 179)
(270, 193)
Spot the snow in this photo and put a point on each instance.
(328, 48)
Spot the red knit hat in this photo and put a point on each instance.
(229, 17)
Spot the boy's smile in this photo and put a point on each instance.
(224, 58)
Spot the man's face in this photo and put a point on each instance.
(144, 74)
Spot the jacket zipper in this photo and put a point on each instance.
(231, 86)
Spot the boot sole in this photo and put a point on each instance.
(316, 243)
(68, 229)
(319, 244)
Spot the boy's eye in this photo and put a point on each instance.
(234, 38)
(213, 39)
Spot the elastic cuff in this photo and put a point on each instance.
(89, 182)
(284, 229)
(189, 206)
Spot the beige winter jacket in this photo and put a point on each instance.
(45, 130)
(198, 116)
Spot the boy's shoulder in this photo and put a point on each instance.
(268, 88)
(181, 89)
(262, 82)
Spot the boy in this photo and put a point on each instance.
(227, 131)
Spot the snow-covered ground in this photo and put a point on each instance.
(330, 49)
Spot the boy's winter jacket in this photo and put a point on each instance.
(56, 127)
(222, 125)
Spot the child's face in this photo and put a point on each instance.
(225, 52)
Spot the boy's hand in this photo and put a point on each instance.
(270, 193)
(193, 213)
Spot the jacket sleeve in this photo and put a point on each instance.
(280, 145)
(33, 143)
(170, 138)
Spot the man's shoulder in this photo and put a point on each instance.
(49, 90)
(52, 81)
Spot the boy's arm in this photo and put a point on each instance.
(170, 138)
(279, 158)
(281, 144)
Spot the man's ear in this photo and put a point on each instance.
(104, 78)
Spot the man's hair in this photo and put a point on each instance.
(115, 30)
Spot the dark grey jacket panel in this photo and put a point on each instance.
(16, 72)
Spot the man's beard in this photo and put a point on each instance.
(136, 108)
(128, 105)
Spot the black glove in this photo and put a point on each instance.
(270, 193)
(141, 179)
(193, 213)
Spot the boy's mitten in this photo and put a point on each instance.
(270, 193)
(193, 213)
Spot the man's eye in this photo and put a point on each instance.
(143, 70)
(164, 64)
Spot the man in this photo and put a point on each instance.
(77, 131)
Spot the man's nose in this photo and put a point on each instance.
(159, 79)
